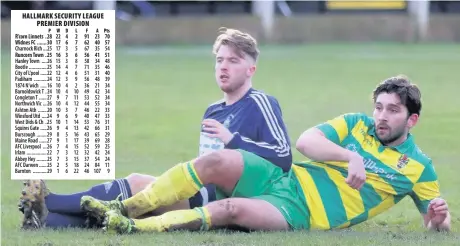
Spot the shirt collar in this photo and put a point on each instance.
(241, 99)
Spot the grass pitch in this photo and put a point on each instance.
(161, 95)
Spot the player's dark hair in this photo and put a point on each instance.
(408, 93)
(241, 42)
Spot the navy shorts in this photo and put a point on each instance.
(206, 195)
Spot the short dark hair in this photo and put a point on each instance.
(239, 41)
(408, 93)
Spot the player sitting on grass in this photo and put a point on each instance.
(360, 167)
(245, 119)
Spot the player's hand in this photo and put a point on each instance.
(215, 129)
(356, 172)
(437, 211)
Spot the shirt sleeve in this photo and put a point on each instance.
(426, 189)
(337, 129)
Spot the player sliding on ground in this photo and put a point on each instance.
(245, 119)
(361, 167)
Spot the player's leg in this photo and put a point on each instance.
(280, 207)
(35, 213)
(137, 182)
(33, 204)
(41, 208)
(63, 210)
(70, 203)
(253, 214)
(52, 220)
(180, 182)
(223, 168)
(121, 188)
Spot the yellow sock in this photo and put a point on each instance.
(178, 183)
(191, 219)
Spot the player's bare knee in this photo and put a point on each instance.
(219, 163)
(232, 210)
(207, 165)
(138, 182)
(133, 177)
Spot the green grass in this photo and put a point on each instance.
(162, 93)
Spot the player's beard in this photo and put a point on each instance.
(233, 86)
(393, 135)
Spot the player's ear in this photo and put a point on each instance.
(251, 70)
(412, 121)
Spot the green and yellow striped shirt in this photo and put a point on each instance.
(392, 173)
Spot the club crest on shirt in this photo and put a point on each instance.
(228, 121)
(402, 162)
(352, 147)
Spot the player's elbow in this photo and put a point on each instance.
(302, 141)
(300, 145)
(306, 140)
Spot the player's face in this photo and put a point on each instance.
(391, 119)
(231, 70)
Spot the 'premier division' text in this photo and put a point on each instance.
(62, 23)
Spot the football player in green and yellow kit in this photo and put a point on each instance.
(359, 167)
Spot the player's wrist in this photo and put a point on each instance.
(233, 142)
(350, 156)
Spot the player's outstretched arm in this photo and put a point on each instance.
(426, 196)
